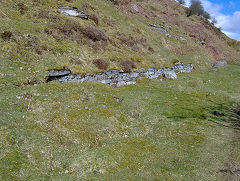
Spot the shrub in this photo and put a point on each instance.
(101, 64)
(6, 35)
(151, 49)
(127, 65)
(94, 34)
(206, 15)
(214, 21)
(43, 14)
(181, 2)
(85, 7)
(22, 8)
(94, 18)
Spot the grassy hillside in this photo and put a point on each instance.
(154, 130)
(36, 33)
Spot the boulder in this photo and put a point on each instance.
(202, 42)
(69, 11)
(219, 64)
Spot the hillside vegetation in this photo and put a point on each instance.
(184, 129)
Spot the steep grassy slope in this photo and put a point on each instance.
(161, 130)
(42, 37)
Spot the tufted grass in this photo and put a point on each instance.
(162, 130)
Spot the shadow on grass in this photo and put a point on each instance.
(229, 118)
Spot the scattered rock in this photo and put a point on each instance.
(96, 172)
(69, 11)
(118, 99)
(159, 27)
(183, 39)
(202, 42)
(105, 106)
(219, 64)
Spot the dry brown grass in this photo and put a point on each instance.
(196, 31)
(127, 65)
(94, 18)
(215, 52)
(101, 64)
(121, 2)
(182, 51)
(94, 33)
(6, 35)
(22, 8)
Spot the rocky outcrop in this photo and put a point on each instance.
(119, 78)
(69, 11)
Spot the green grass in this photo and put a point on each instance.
(61, 52)
(162, 130)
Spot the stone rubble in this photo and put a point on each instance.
(119, 78)
(164, 32)
(220, 64)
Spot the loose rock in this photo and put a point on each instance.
(219, 64)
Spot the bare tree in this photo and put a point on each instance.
(214, 21)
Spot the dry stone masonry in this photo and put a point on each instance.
(119, 78)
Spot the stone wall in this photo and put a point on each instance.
(119, 78)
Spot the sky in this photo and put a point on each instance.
(227, 14)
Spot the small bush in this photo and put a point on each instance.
(94, 34)
(85, 7)
(22, 8)
(43, 14)
(127, 65)
(94, 18)
(6, 35)
(101, 64)
(151, 49)
(39, 50)
(214, 21)
(48, 31)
